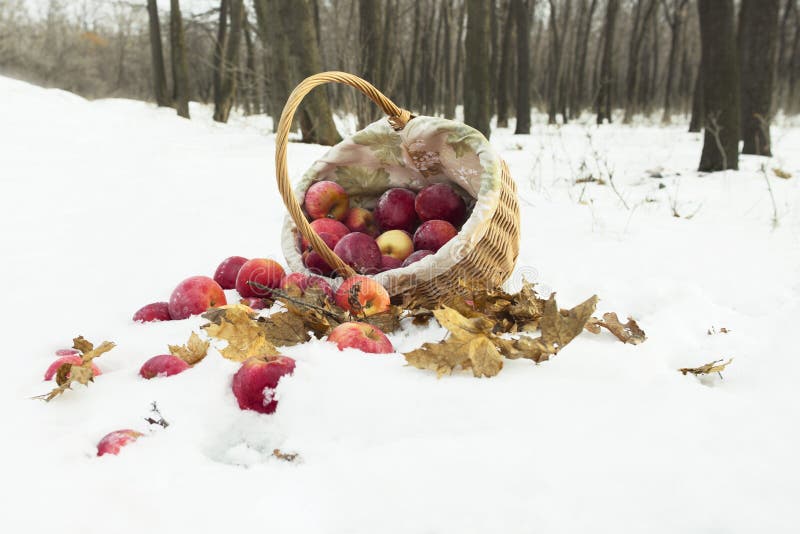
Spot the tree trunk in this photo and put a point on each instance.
(223, 102)
(369, 40)
(457, 75)
(449, 87)
(557, 36)
(720, 86)
(675, 22)
(219, 48)
(495, 49)
(477, 108)
(252, 98)
(522, 13)
(758, 31)
(698, 108)
(180, 67)
(504, 75)
(273, 38)
(794, 62)
(412, 64)
(606, 80)
(157, 56)
(578, 93)
(316, 119)
(644, 10)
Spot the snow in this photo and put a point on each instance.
(108, 204)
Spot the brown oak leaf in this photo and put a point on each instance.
(193, 351)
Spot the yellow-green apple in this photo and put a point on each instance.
(440, 201)
(371, 297)
(360, 252)
(389, 262)
(395, 243)
(415, 257)
(157, 311)
(114, 441)
(361, 220)
(326, 199)
(194, 296)
(261, 271)
(74, 359)
(395, 210)
(361, 336)
(335, 229)
(226, 273)
(432, 235)
(255, 382)
(162, 365)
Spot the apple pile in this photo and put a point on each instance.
(403, 228)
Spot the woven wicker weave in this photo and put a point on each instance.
(488, 262)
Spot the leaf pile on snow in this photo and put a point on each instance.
(628, 332)
(68, 373)
(193, 352)
(236, 324)
(476, 326)
(712, 367)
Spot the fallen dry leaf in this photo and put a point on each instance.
(285, 329)
(628, 332)
(558, 329)
(709, 368)
(285, 456)
(193, 352)
(236, 324)
(68, 373)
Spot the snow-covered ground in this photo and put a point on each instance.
(108, 204)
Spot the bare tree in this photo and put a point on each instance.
(504, 74)
(557, 35)
(606, 81)
(674, 13)
(229, 68)
(720, 86)
(369, 26)
(643, 10)
(180, 67)
(476, 69)
(157, 56)
(522, 14)
(758, 32)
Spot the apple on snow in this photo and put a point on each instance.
(261, 271)
(194, 296)
(372, 297)
(361, 336)
(255, 382)
(163, 365)
(112, 442)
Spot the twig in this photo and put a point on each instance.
(775, 218)
(160, 421)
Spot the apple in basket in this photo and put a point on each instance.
(360, 252)
(326, 199)
(440, 201)
(432, 235)
(415, 257)
(336, 229)
(395, 210)
(313, 260)
(361, 220)
(395, 243)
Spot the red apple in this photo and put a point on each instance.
(389, 262)
(255, 382)
(313, 260)
(163, 365)
(254, 303)
(361, 220)
(74, 359)
(326, 199)
(321, 284)
(259, 271)
(440, 201)
(335, 229)
(415, 257)
(360, 252)
(432, 235)
(114, 441)
(395, 243)
(157, 311)
(298, 283)
(361, 336)
(372, 297)
(395, 210)
(194, 296)
(227, 271)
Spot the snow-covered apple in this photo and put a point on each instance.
(156, 311)
(395, 243)
(255, 382)
(326, 199)
(264, 272)
(415, 257)
(361, 220)
(74, 359)
(228, 270)
(114, 441)
(440, 201)
(194, 296)
(372, 297)
(395, 210)
(432, 235)
(361, 336)
(360, 252)
(335, 229)
(162, 365)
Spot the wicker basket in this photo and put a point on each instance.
(485, 257)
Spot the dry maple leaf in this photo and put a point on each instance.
(525, 347)
(82, 373)
(709, 368)
(559, 329)
(236, 324)
(193, 352)
(468, 352)
(285, 329)
(460, 326)
(629, 332)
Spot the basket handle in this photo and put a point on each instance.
(398, 118)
